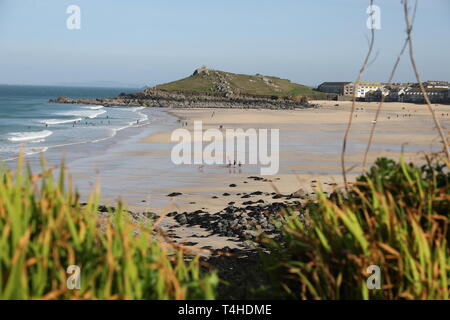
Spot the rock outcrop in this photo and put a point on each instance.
(203, 71)
(220, 91)
(222, 99)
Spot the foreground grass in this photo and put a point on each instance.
(44, 230)
(396, 217)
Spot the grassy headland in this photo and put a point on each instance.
(215, 81)
(207, 88)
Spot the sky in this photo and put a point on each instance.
(147, 42)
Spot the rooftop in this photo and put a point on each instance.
(428, 90)
(335, 83)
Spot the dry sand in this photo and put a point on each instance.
(313, 140)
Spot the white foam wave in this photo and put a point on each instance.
(36, 150)
(59, 121)
(93, 107)
(134, 109)
(143, 117)
(38, 141)
(83, 113)
(113, 133)
(29, 136)
(130, 124)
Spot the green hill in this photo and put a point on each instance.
(205, 80)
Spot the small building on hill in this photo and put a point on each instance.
(203, 70)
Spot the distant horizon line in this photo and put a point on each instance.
(72, 85)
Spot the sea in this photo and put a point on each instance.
(28, 122)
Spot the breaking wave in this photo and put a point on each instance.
(83, 113)
(59, 121)
(29, 136)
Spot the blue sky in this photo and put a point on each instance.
(138, 42)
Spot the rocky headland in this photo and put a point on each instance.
(207, 88)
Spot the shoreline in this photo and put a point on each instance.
(58, 128)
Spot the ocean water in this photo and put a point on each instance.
(29, 122)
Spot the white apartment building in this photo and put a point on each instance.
(347, 88)
(364, 88)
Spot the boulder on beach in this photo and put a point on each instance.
(174, 194)
(300, 193)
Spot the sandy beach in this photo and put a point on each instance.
(136, 167)
(311, 141)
